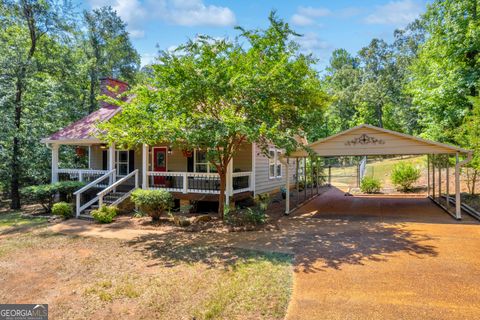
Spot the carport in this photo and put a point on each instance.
(367, 140)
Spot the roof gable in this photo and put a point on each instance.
(370, 140)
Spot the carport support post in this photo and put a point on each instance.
(305, 183)
(297, 181)
(428, 175)
(447, 195)
(311, 176)
(317, 163)
(433, 178)
(458, 208)
(287, 188)
(439, 181)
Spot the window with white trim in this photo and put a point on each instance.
(274, 164)
(201, 164)
(122, 160)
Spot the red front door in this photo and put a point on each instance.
(159, 164)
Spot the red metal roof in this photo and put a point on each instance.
(86, 128)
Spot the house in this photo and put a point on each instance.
(114, 173)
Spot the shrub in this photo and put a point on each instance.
(255, 216)
(404, 175)
(153, 202)
(62, 209)
(45, 193)
(67, 188)
(370, 185)
(105, 214)
(262, 200)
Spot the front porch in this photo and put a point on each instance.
(112, 174)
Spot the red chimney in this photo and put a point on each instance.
(112, 88)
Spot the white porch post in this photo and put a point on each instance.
(144, 166)
(458, 208)
(111, 162)
(55, 148)
(287, 188)
(229, 183)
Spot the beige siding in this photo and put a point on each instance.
(96, 157)
(263, 183)
(242, 161)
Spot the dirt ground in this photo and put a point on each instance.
(355, 258)
(367, 258)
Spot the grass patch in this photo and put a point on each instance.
(14, 219)
(258, 283)
(110, 278)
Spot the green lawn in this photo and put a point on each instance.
(164, 277)
(14, 219)
(380, 169)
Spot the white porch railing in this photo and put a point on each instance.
(86, 175)
(84, 198)
(242, 182)
(110, 193)
(197, 182)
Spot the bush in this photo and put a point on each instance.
(262, 200)
(62, 209)
(45, 193)
(67, 188)
(105, 214)
(404, 175)
(370, 185)
(153, 202)
(255, 216)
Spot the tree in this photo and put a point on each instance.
(28, 31)
(342, 83)
(446, 72)
(108, 49)
(469, 138)
(216, 94)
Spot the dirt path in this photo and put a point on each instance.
(358, 257)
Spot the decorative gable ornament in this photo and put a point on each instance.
(364, 139)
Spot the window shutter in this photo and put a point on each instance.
(104, 159)
(190, 164)
(131, 160)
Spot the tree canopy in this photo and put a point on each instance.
(215, 94)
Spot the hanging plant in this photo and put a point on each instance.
(80, 151)
(187, 153)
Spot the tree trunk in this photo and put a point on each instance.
(380, 115)
(221, 196)
(15, 164)
(28, 14)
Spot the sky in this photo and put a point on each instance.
(325, 25)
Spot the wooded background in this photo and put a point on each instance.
(425, 83)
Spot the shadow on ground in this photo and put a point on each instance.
(317, 244)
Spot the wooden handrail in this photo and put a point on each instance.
(113, 186)
(95, 182)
